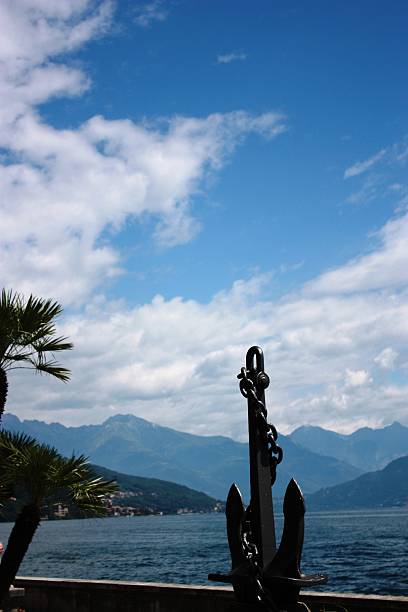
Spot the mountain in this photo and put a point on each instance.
(156, 495)
(380, 489)
(366, 449)
(136, 495)
(206, 463)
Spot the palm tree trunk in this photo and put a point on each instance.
(3, 390)
(20, 538)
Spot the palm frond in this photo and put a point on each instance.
(37, 311)
(89, 495)
(51, 345)
(54, 369)
(28, 334)
(8, 321)
(18, 357)
(11, 441)
(8, 301)
(14, 449)
(40, 470)
(70, 470)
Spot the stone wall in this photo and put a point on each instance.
(57, 595)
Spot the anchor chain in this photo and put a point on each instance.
(270, 435)
(263, 594)
(267, 430)
(252, 555)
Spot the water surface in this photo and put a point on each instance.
(362, 552)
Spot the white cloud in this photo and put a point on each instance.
(383, 177)
(34, 34)
(363, 166)
(357, 378)
(34, 30)
(367, 192)
(147, 13)
(386, 358)
(227, 58)
(384, 267)
(63, 189)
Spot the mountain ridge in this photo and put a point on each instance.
(365, 448)
(383, 488)
(205, 463)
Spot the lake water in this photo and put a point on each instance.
(362, 552)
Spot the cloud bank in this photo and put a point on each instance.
(331, 360)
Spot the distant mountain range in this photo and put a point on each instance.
(132, 445)
(366, 449)
(382, 488)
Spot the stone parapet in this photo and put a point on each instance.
(62, 595)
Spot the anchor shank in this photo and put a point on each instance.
(262, 517)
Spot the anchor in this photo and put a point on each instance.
(264, 577)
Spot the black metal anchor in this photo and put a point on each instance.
(260, 573)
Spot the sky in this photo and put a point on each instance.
(191, 178)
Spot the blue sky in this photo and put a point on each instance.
(191, 178)
(336, 72)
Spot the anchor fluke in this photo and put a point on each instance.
(284, 570)
(235, 512)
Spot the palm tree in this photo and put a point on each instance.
(28, 338)
(32, 473)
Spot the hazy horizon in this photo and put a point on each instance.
(121, 414)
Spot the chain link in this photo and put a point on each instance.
(267, 431)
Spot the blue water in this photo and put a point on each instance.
(362, 552)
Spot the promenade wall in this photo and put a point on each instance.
(60, 595)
